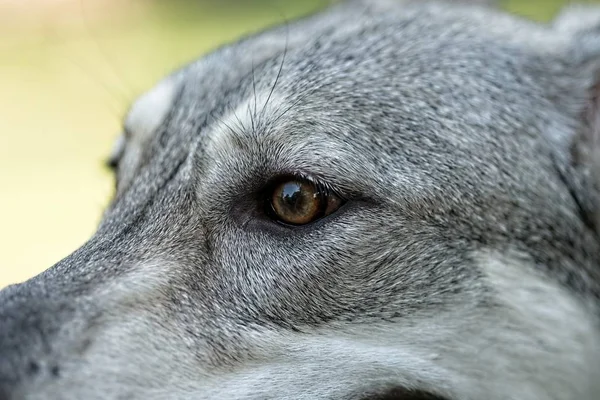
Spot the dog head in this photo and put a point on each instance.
(388, 198)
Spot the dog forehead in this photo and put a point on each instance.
(395, 74)
(412, 55)
(426, 83)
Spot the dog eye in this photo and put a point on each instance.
(300, 202)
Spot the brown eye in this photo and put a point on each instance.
(299, 202)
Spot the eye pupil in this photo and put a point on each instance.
(297, 198)
(291, 193)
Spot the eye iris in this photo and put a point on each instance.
(297, 202)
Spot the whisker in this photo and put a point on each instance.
(251, 116)
(240, 123)
(255, 98)
(222, 122)
(298, 100)
(285, 49)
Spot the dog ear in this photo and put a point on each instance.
(579, 30)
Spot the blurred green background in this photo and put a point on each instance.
(68, 71)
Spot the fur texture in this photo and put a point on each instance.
(465, 262)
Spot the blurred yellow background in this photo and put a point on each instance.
(68, 71)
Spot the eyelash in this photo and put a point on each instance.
(273, 182)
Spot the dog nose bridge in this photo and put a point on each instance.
(47, 321)
(33, 316)
(9, 343)
(27, 323)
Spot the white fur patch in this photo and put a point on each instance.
(536, 342)
(531, 340)
(243, 119)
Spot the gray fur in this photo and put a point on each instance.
(465, 263)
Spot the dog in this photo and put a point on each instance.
(383, 200)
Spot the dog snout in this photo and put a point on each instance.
(20, 339)
(24, 350)
(31, 318)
